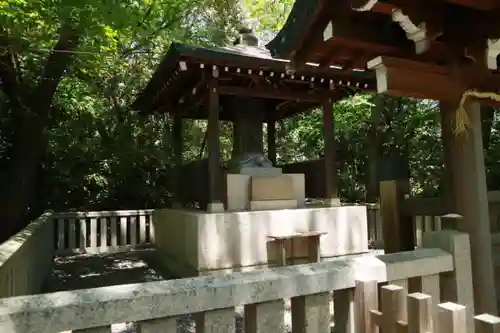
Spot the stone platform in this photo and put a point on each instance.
(190, 242)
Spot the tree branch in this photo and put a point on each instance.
(55, 67)
(10, 76)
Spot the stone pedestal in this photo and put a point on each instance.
(251, 171)
(241, 191)
(190, 242)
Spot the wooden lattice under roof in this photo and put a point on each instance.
(180, 82)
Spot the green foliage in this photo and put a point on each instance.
(101, 156)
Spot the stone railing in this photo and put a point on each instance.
(26, 258)
(104, 231)
(156, 306)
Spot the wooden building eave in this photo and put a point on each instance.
(179, 84)
(418, 30)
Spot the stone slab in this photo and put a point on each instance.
(273, 204)
(238, 191)
(272, 188)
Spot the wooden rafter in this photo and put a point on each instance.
(283, 94)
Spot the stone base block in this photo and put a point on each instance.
(333, 202)
(273, 204)
(239, 192)
(272, 188)
(215, 207)
(190, 242)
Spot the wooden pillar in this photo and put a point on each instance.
(178, 150)
(448, 191)
(331, 174)
(271, 141)
(373, 152)
(213, 144)
(464, 158)
(398, 229)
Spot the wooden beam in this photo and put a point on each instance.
(476, 4)
(404, 77)
(409, 78)
(277, 94)
(357, 29)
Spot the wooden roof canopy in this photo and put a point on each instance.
(428, 36)
(180, 82)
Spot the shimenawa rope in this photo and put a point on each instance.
(461, 118)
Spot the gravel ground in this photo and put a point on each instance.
(93, 271)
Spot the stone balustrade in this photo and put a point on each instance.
(103, 231)
(156, 306)
(26, 258)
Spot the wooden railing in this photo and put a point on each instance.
(416, 312)
(426, 214)
(156, 306)
(105, 231)
(422, 222)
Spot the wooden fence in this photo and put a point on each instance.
(105, 231)
(214, 300)
(426, 215)
(421, 223)
(413, 313)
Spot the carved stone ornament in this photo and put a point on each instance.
(251, 160)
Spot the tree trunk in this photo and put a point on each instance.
(31, 115)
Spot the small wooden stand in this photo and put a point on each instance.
(313, 245)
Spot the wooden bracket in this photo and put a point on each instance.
(412, 78)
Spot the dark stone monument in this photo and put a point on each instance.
(394, 167)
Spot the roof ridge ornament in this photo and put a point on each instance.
(247, 37)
